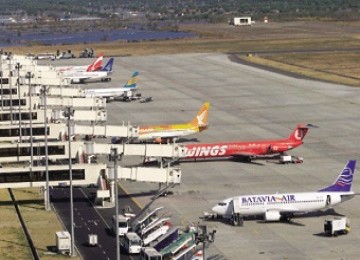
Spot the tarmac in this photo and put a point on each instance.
(247, 104)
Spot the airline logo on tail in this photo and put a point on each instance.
(299, 133)
(97, 64)
(344, 181)
(132, 82)
(201, 119)
(108, 66)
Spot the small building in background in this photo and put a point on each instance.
(239, 21)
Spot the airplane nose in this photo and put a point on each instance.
(217, 210)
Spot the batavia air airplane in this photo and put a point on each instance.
(275, 207)
(168, 133)
(247, 150)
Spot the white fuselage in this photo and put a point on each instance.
(85, 75)
(287, 203)
(165, 133)
(106, 92)
(71, 69)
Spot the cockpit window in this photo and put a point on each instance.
(222, 204)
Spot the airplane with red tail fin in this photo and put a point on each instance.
(248, 150)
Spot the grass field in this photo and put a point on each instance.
(41, 225)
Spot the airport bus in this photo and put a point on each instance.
(26, 177)
(132, 243)
(149, 253)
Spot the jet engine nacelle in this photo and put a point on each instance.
(272, 216)
(334, 199)
(278, 148)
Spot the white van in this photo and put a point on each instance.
(123, 225)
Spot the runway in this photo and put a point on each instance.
(248, 104)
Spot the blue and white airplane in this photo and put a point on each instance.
(115, 93)
(275, 207)
(82, 76)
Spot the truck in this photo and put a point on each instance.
(336, 226)
(285, 159)
(63, 242)
(130, 96)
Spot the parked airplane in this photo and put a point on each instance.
(94, 66)
(275, 207)
(165, 133)
(115, 93)
(82, 76)
(247, 150)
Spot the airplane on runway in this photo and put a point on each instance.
(247, 150)
(275, 207)
(94, 66)
(115, 93)
(166, 133)
(82, 76)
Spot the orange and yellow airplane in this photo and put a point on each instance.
(166, 133)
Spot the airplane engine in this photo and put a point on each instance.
(75, 81)
(278, 148)
(272, 216)
(333, 199)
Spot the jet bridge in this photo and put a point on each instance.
(168, 175)
(146, 150)
(126, 131)
(89, 103)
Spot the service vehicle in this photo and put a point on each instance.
(337, 226)
(132, 243)
(123, 224)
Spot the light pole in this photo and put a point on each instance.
(47, 190)
(114, 156)
(68, 113)
(2, 90)
(17, 67)
(29, 75)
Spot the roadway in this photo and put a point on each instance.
(248, 104)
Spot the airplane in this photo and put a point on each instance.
(277, 207)
(115, 93)
(94, 66)
(247, 150)
(166, 133)
(82, 76)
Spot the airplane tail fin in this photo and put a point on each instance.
(97, 64)
(344, 180)
(299, 132)
(201, 119)
(108, 66)
(132, 82)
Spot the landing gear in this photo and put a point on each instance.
(238, 220)
(285, 218)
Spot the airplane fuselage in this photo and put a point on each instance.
(230, 149)
(166, 131)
